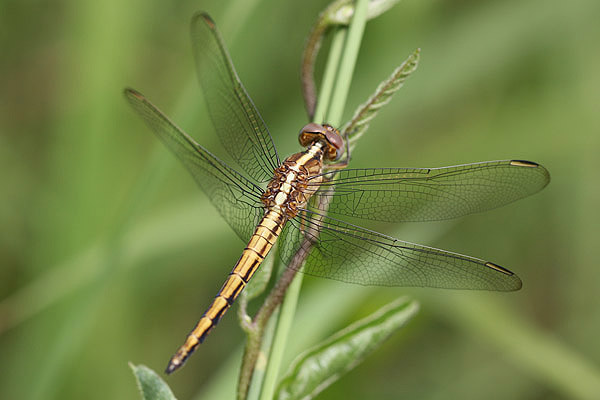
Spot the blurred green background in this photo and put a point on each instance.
(110, 253)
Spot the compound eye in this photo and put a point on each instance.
(336, 143)
(311, 132)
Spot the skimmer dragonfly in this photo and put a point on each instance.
(299, 192)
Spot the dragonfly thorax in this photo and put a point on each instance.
(289, 190)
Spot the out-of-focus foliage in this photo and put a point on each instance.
(110, 253)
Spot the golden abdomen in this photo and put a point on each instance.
(260, 244)
(285, 194)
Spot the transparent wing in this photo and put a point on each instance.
(235, 118)
(235, 197)
(349, 253)
(428, 194)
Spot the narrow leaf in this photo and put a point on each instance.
(382, 96)
(322, 365)
(151, 386)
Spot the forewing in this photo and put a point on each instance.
(235, 197)
(235, 118)
(427, 194)
(344, 252)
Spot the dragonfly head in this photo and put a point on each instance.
(334, 144)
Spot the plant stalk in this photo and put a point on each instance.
(348, 61)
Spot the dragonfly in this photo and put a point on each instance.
(301, 202)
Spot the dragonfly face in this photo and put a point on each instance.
(302, 203)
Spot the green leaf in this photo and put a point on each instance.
(382, 96)
(151, 386)
(322, 365)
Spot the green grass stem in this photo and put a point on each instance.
(331, 67)
(347, 63)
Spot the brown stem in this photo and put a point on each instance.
(251, 353)
(309, 56)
